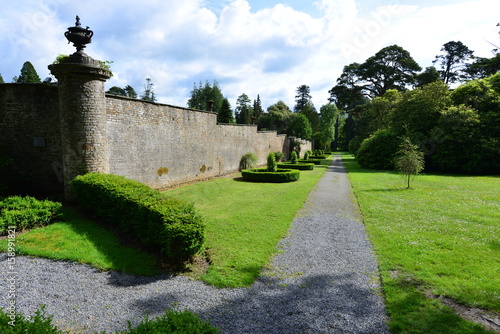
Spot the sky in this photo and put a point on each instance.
(257, 47)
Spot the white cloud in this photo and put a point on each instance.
(269, 51)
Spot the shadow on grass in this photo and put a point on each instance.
(413, 312)
(126, 258)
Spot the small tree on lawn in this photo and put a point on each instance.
(271, 163)
(410, 160)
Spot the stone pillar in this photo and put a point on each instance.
(82, 108)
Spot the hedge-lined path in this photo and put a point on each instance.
(324, 280)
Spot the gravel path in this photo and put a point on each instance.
(324, 281)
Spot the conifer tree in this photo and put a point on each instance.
(1, 79)
(28, 74)
(225, 114)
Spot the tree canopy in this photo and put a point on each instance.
(453, 60)
(202, 94)
(244, 110)
(300, 127)
(390, 68)
(302, 98)
(226, 113)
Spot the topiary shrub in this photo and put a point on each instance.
(249, 160)
(26, 212)
(167, 224)
(293, 157)
(263, 175)
(278, 156)
(378, 151)
(271, 163)
(307, 154)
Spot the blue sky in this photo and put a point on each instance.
(249, 46)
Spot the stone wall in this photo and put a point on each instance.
(30, 135)
(157, 144)
(162, 145)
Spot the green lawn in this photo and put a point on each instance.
(81, 240)
(442, 237)
(245, 221)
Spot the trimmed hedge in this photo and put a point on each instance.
(289, 165)
(26, 212)
(310, 161)
(165, 223)
(262, 175)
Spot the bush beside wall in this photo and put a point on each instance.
(164, 223)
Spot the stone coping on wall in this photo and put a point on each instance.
(120, 97)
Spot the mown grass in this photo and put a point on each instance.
(245, 221)
(78, 239)
(442, 238)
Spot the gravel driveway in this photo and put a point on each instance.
(325, 280)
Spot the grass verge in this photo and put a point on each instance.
(441, 238)
(78, 239)
(245, 221)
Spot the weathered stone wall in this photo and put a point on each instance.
(157, 144)
(30, 135)
(162, 145)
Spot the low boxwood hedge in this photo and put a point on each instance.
(311, 161)
(26, 212)
(167, 224)
(289, 165)
(262, 175)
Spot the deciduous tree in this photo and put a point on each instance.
(243, 110)
(410, 160)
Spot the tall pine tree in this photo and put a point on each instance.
(302, 98)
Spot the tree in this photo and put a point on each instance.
(243, 110)
(419, 109)
(148, 94)
(428, 76)
(277, 118)
(130, 92)
(456, 54)
(257, 108)
(302, 98)
(226, 114)
(28, 74)
(115, 90)
(300, 127)
(329, 117)
(312, 115)
(390, 68)
(410, 160)
(202, 94)
(482, 68)
(1, 79)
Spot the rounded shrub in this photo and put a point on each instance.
(293, 157)
(379, 150)
(263, 175)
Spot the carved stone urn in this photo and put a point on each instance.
(79, 36)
